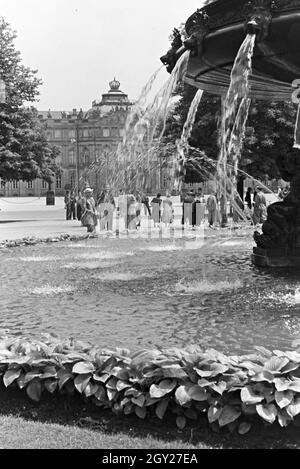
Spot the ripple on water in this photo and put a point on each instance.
(49, 290)
(167, 247)
(205, 286)
(235, 242)
(121, 276)
(104, 255)
(78, 246)
(38, 258)
(93, 265)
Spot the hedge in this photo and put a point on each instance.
(232, 391)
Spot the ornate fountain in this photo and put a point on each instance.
(215, 34)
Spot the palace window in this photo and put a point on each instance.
(58, 182)
(85, 132)
(72, 134)
(85, 156)
(3, 184)
(106, 133)
(15, 184)
(58, 159)
(57, 133)
(29, 184)
(71, 159)
(44, 184)
(115, 132)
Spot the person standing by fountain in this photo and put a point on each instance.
(156, 209)
(223, 211)
(195, 209)
(131, 212)
(89, 216)
(138, 208)
(67, 200)
(211, 205)
(72, 206)
(249, 203)
(260, 207)
(106, 207)
(79, 206)
(145, 202)
(168, 211)
(248, 198)
(187, 208)
(198, 209)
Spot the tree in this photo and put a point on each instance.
(269, 135)
(269, 132)
(24, 150)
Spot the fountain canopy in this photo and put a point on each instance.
(216, 33)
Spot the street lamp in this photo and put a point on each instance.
(97, 161)
(106, 166)
(2, 92)
(73, 141)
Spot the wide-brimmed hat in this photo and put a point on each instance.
(88, 189)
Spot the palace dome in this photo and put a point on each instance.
(114, 84)
(113, 100)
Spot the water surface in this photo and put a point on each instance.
(145, 293)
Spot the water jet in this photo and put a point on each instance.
(214, 37)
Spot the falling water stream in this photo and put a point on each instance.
(235, 108)
(144, 128)
(135, 161)
(183, 143)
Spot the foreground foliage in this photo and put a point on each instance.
(231, 391)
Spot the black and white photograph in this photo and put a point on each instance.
(149, 228)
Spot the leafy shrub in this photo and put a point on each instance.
(231, 391)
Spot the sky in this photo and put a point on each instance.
(78, 46)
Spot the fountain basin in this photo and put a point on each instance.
(276, 257)
(218, 31)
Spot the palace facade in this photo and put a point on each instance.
(82, 138)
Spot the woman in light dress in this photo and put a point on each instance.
(167, 210)
(131, 212)
(89, 215)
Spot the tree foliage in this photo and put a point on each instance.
(24, 150)
(269, 136)
(269, 131)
